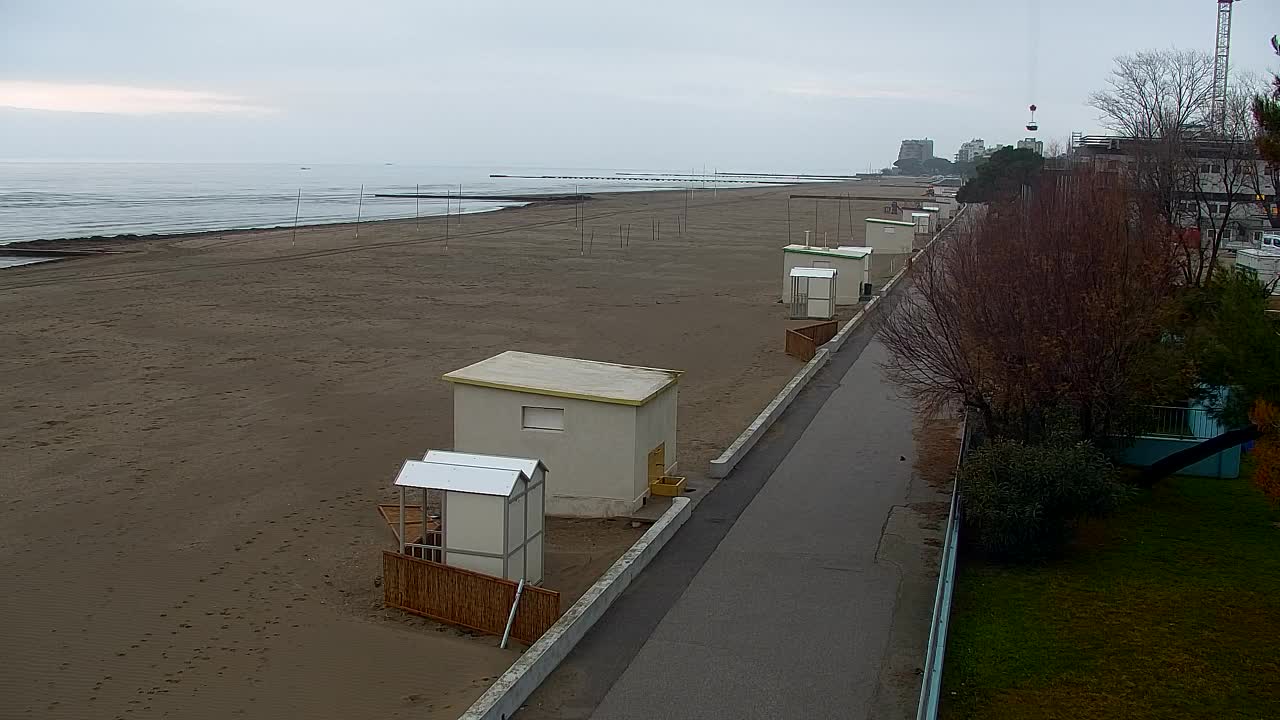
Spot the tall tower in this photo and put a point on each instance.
(1220, 57)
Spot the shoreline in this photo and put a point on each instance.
(69, 243)
(76, 242)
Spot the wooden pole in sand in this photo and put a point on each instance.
(448, 205)
(459, 204)
(838, 219)
(848, 204)
(359, 208)
(591, 242)
(417, 192)
(788, 219)
(297, 210)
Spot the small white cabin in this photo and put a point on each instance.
(890, 237)
(1264, 263)
(609, 430)
(920, 219)
(852, 264)
(492, 512)
(813, 293)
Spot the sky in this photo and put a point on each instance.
(657, 85)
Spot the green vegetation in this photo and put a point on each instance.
(1232, 340)
(1170, 608)
(1025, 501)
(1002, 176)
(932, 166)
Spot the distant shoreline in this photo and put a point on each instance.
(33, 247)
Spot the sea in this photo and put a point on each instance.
(48, 200)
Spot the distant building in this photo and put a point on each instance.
(916, 150)
(1031, 144)
(971, 150)
(1200, 207)
(988, 152)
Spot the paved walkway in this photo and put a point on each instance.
(793, 613)
(801, 587)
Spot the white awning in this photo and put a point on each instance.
(812, 272)
(458, 478)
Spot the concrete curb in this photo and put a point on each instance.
(509, 692)
(723, 465)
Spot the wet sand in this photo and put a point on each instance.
(196, 434)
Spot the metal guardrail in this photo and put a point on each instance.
(931, 682)
(1179, 422)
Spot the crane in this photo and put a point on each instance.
(1220, 56)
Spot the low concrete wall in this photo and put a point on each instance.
(721, 466)
(509, 692)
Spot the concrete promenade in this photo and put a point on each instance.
(801, 587)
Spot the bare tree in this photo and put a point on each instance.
(1222, 170)
(1050, 302)
(1157, 93)
(1158, 99)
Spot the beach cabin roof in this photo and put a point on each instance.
(846, 252)
(890, 222)
(812, 272)
(567, 377)
(448, 457)
(931, 208)
(919, 214)
(458, 478)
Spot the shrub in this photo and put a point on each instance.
(1023, 502)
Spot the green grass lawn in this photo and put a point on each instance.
(1169, 609)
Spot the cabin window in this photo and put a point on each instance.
(541, 418)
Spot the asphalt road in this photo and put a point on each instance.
(800, 587)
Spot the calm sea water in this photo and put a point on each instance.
(62, 200)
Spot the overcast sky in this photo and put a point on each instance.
(655, 84)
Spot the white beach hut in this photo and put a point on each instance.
(920, 219)
(491, 510)
(813, 293)
(852, 264)
(890, 237)
(608, 430)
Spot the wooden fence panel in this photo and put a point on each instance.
(462, 597)
(803, 342)
(821, 332)
(800, 346)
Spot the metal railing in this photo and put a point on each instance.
(1179, 422)
(931, 682)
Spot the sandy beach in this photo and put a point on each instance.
(197, 430)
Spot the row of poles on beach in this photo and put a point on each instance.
(585, 242)
(579, 219)
(417, 213)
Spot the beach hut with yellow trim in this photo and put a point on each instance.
(609, 430)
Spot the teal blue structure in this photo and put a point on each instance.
(1177, 429)
(1147, 450)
